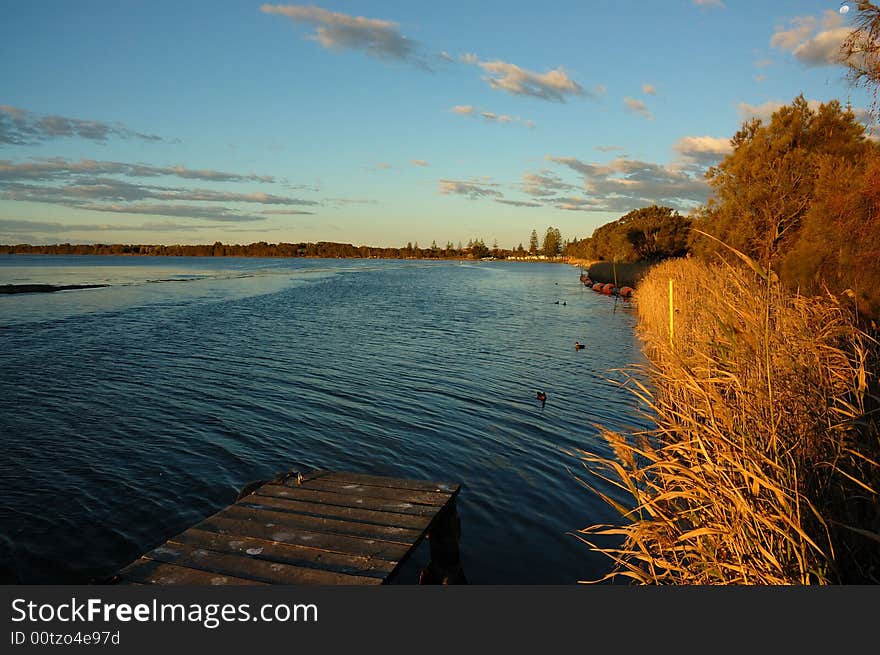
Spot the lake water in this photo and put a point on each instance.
(129, 413)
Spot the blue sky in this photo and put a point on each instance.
(383, 122)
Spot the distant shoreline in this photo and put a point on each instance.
(474, 251)
(4, 250)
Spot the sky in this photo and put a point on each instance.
(383, 123)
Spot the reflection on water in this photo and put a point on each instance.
(128, 413)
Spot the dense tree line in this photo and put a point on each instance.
(801, 196)
(649, 234)
(475, 249)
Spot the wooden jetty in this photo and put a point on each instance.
(324, 528)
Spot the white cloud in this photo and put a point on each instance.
(814, 41)
(465, 110)
(638, 107)
(338, 31)
(703, 149)
(469, 58)
(709, 3)
(419, 162)
(649, 89)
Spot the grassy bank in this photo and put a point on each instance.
(763, 467)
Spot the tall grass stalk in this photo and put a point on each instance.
(763, 465)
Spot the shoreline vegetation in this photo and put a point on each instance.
(763, 466)
(553, 248)
(763, 351)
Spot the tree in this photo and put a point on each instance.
(552, 242)
(861, 50)
(764, 188)
(533, 243)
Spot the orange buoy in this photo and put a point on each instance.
(608, 289)
(626, 292)
(597, 287)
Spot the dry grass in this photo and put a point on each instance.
(763, 467)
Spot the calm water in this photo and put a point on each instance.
(129, 413)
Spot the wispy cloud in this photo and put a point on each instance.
(338, 31)
(490, 116)
(23, 127)
(221, 214)
(473, 189)
(108, 189)
(342, 202)
(518, 203)
(814, 41)
(419, 162)
(48, 227)
(554, 85)
(102, 186)
(58, 167)
(608, 148)
(637, 106)
(649, 89)
(709, 3)
(545, 184)
(624, 184)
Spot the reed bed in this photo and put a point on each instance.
(762, 467)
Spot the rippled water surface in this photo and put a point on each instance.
(129, 413)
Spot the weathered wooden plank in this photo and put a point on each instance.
(150, 571)
(432, 498)
(285, 553)
(334, 543)
(250, 568)
(321, 524)
(393, 483)
(345, 500)
(318, 528)
(348, 513)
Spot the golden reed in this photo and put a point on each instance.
(762, 467)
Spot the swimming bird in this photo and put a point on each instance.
(542, 397)
(578, 345)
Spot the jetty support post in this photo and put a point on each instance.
(443, 536)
